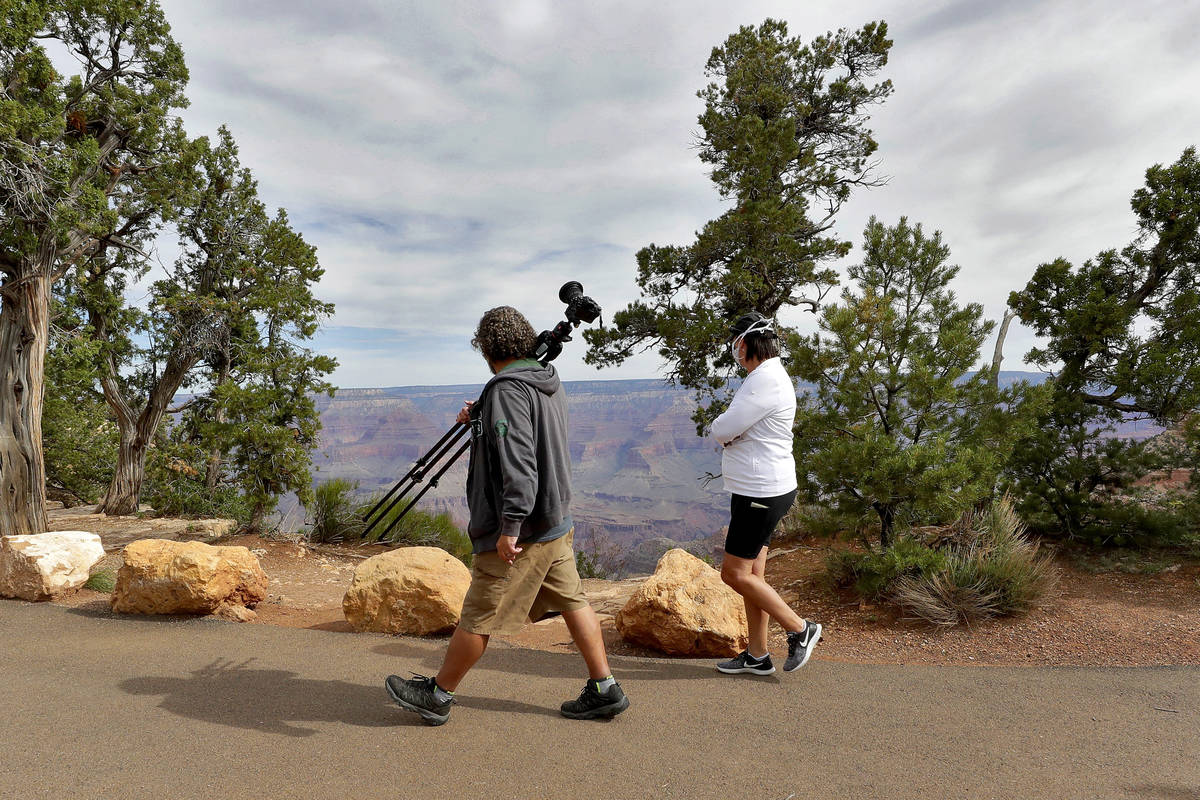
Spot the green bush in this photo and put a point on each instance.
(589, 566)
(991, 569)
(872, 574)
(175, 485)
(191, 499)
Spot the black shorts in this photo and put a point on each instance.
(752, 521)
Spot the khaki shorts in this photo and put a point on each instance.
(503, 596)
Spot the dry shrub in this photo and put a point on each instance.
(992, 569)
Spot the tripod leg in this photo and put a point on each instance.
(432, 458)
(432, 483)
(457, 427)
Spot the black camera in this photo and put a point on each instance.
(580, 308)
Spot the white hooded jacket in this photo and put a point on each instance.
(756, 432)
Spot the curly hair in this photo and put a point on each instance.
(504, 333)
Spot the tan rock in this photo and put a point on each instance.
(40, 566)
(415, 590)
(235, 613)
(684, 609)
(163, 577)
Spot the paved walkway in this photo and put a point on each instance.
(96, 706)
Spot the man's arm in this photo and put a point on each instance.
(511, 428)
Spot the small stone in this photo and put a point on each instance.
(236, 613)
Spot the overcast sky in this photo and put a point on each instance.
(446, 157)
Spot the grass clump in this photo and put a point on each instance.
(101, 581)
(992, 568)
(985, 567)
(337, 516)
(334, 513)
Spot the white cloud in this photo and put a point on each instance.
(449, 157)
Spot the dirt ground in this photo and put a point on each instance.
(1090, 619)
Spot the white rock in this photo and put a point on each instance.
(39, 566)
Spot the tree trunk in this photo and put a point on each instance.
(998, 353)
(24, 333)
(213, 472)
(887, 523)
(126, 488)
(257, 517)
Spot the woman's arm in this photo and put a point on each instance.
(746, 409)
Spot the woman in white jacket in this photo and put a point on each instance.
(760, 473)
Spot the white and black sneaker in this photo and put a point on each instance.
(800, 645)
(744, 662)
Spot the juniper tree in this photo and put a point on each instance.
(237, 300)
(259, 422)
(784, 131)
(67, 144)
(1122, 338)
(899, 425)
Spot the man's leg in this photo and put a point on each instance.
(584, 626)
(602, 696)
(464, 651)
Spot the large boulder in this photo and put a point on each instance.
(164, 577)
(684, 609)
(40, 566)
(416, 590)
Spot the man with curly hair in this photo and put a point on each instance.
(519, 494)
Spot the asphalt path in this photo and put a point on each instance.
(99, 706)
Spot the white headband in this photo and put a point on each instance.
(756, 327)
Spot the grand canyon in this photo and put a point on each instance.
(639, 471)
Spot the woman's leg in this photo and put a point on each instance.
(740, 575)
(756, 618)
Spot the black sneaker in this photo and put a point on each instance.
(417, 694)
(800, 646)
(592, 704)
(744, 662)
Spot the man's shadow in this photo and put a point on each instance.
(270, 700)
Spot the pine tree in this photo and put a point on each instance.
(785, 134)
(899, 426)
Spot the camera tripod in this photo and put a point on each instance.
(580, 309)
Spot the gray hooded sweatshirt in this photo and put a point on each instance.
(519, 478)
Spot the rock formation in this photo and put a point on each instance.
(163, 577)
(415, 590)
(40, 566)
(684, 609)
